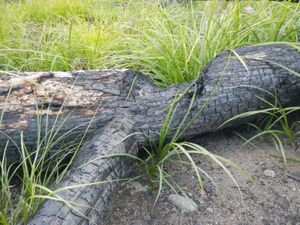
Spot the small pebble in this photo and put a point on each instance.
(137, 187)
(209, 210)
(28, 91)
(183, 203)
(270, 173)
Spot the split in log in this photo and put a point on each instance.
(122, 102)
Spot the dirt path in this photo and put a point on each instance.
(267, 201)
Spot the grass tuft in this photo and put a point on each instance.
(171, 43)
(274, 123)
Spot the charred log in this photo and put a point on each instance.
(121, 102)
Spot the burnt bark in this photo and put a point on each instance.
(120, 102)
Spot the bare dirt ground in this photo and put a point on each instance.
(268, 200)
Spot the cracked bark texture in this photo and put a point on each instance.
(121, 102)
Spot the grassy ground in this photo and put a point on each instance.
(169, 42)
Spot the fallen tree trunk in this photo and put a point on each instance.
(121, 102)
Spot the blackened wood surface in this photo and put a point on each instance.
(121, 102)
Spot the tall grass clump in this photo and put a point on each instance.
(171, 43)
(26, 183)
(174, 44)
(56, 35)
(22, 183)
